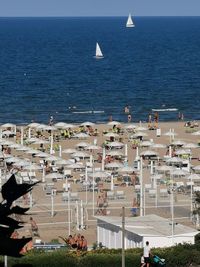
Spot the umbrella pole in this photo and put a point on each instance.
(22, 136)
(69, 217)
(86, 182)
(141, 186)
(93, 185)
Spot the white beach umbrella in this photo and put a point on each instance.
(41, 126)
(183, 152)
(15, 145)
(114, 165)
(33, 125)
(22, 148)
(196, 168)
(81, 135)
(21, 163)
(127, 169)
(148, 153)
(76, 166)
(115, 144)
(93, 147)
(6, 143)
(158, 146)
(69, 150)
(7, 133)
(64, 162)
(87, 123)
(40, 141)
(60, 125)
(178, 143)
(42, 155)
(164, 168)
(32, 167)
(69, 126)
(174, 160)
(114, 153)
(80, 154)
(8, 125)
(138, 134)
(179, 172)
(141, 128)
(50, 128)
(52, 158)
(146, 144)
(112, 123)
(12, 159)
(111, 134)
(190, 145)
(193, 176)
(196, 133)
(82, 145)
(99, 174)
(130, 127)
(54, 175)
(32, 139)
(32, 151)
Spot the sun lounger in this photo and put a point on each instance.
(120, 195)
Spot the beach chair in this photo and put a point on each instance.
(163, 193)
(152, 193)
(74, 196)
(110, 195)
(65, 196)
(120, 195)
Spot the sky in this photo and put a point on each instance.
(32, 8)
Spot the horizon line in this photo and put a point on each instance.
(99, 16)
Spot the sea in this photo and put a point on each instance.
(47, 68)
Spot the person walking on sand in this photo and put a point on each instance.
(147, 253)
(34, 227)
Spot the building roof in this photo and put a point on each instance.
(149, 225)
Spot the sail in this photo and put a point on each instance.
(98, 51)
(130, 22)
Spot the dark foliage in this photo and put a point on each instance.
(11, 191)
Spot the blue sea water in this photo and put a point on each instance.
(47, 68)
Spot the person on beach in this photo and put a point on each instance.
(51, 121)
(149, 121)
(83, 243)
(129, 118)
(100, 203)
(147, 253)
(34, 227)
(142, 261)
(71, 241)
(156, 117)
(126, 109)
(134, 208)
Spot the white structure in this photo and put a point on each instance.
(138, 230)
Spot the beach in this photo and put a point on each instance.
(82, 208)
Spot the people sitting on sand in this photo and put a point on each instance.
(71, 241)
(83, 243)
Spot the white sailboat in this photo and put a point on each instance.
(129, 23)
(99, 54)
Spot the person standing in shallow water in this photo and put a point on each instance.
(129, 118)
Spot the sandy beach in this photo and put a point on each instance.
(55, 223)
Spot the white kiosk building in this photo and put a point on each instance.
(157, 230)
